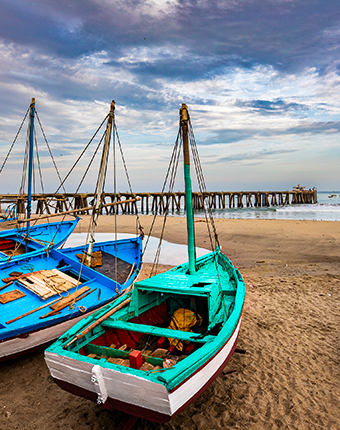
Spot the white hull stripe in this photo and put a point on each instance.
(182, 395)
(19, 345)
(134, 390)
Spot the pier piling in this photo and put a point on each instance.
(161, 202)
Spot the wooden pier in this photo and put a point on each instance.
(159, 202)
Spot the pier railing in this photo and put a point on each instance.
(160, 202)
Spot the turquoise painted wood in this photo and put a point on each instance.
(216, 280)
(112, 352)
(209, 289)
(156, 331)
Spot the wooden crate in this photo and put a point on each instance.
(48, 283)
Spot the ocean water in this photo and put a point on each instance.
(327, 209)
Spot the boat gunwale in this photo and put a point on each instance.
(16, 235)
(138, 410)
(103, 243)
(173, 376)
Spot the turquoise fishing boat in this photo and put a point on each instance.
(44, 292)
(154, 350)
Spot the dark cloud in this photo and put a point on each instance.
(228, 136)
(167, 67)
(216, 34)
(267, 107)
(76, 53)
(255, 157)
(46, 27)
(315, 128)
(187, 42)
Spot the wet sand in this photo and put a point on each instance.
(289, 377)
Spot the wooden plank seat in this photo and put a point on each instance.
(117, 353)
(157, 331)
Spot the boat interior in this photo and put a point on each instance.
(114, 261)
(10, 247)
(149, 334)
(161, 325)
(42, 281)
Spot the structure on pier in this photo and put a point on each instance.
(160, 202)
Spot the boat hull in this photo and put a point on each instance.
(135, 395)
(21, 333)
(29, 342)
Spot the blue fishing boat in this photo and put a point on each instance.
(33, 236)
(44, 293)
(153, 351)
(15, 242)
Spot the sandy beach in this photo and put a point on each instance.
(289, 377)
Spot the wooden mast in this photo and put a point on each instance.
(30, 161)
(184, 119)
(101, 178)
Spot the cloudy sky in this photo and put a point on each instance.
(261, 79)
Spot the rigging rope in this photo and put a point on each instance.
(24, 172)
(202, 187)
(139, 227)
(40, 175)
(163, 188)
(114, 133)
(15, 139)
(171, 172)
(39, 165)
(82, 153)
(90, 236)
(50, 151)
(24, 169)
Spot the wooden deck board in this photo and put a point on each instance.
(157, 331)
